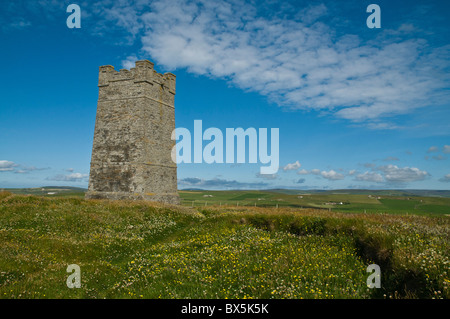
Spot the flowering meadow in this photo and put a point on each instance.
(147, 250)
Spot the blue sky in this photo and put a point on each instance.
(356, 107)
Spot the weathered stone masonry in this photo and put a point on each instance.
(131, 154)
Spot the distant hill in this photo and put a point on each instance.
(378, 192)
(48, 191)
(65, 188)
(79, 191)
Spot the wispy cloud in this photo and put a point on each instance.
(19, 24)
(27, 169)
(439, 157)
(395, 174)
(218, 183)
(389, 174)
(293, 55)
(17, 15)
(292, 166)
(433, 149)
(332, 175)
(295, 62)
(73, 177)
(303, 172)
(129, 62)
(445, 179)
(7, 166)
(370, 177)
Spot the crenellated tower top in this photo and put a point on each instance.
(142, 72)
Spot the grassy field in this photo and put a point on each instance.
(342, 202)
(49, 191)
(352, 201)
(148, 250)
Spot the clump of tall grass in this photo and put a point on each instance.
(412, 251)
(4, 194)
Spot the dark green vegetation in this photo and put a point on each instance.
(147, 250)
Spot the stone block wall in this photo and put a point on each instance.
(131, 154)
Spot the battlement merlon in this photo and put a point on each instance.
(142, 72)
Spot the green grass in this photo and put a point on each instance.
(148, 250)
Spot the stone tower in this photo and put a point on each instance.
(131, 155)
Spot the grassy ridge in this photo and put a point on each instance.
(148, 250)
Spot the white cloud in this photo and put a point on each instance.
(352, 172)
(315, 171)
(293, 166)
(295, 63)
(369, 177)
(433, 149)
(129, 62)
(446, 149)
(33, 168)
(439, 157)
(393, 173)
(6, 166)
(445, 179)
(73, 177)
(303, 172)
(332, 175)
(295, 56)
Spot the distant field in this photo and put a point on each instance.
(132, 249)
(49, 191)
(353, 203)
